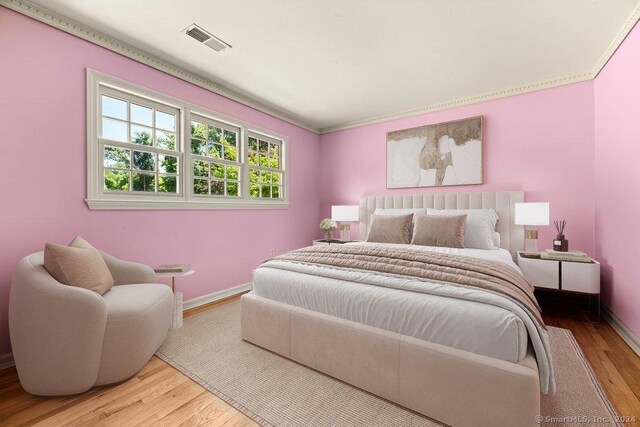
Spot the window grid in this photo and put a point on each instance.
(138, 145)
(264, 157)
(215, 154)
(148, 172)
(216, 179)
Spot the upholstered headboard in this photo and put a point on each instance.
(511, 235)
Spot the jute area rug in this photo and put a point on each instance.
(273, 390)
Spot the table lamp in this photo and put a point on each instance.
(345, 214)
(531, 215)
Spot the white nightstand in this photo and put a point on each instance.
(563, 276)
(331, 242)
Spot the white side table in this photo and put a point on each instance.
(176, 317)
(563, 276)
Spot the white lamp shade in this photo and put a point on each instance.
(532, 213)
(345, 213)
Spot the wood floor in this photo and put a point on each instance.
(161, 395)
(615, 364)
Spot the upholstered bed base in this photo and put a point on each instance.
(446, 384)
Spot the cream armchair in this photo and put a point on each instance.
(66, 340)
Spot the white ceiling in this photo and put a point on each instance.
(333, 62)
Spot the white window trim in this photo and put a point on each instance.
(97, 199)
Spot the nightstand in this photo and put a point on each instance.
(331, 242)
(563, 276)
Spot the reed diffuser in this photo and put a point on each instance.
(560, 244)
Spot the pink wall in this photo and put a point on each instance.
(541, 142)
(617, 173)
(43, 173)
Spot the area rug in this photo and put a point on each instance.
(275, 391)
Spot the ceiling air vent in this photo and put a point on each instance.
(204, 37)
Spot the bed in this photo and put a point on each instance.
(459, 355)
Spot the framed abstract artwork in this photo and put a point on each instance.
(436, 155)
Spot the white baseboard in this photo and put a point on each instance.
(215, 296)
(6, 361)
(625, 333)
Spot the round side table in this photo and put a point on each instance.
(176, 317)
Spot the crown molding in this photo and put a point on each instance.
(463, 101)
(96, 37)
(82, 31)
(617, 41)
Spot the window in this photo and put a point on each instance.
(147, 150)
(265, 167)
(137, 139)
(216, 161)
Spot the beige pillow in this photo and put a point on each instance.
(390, 229)
(78, 264)
(79, 242)
(439, 230)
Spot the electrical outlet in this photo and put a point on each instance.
(271, 251)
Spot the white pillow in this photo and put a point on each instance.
(479, 229)
(496, 239)
(398, 211)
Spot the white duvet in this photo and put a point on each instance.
(466, 318)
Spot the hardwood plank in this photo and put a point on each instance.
(114, 400)
(104, 396)
(7, 377)
(147, 413)
(190, 413)
(161, 395)
(204, 409)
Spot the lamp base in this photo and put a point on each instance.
(345, 232)
(531, 240)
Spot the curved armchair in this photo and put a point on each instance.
(67, 339)
(127, 273)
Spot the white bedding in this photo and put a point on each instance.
(463, 323)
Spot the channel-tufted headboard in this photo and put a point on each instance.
(511, 235)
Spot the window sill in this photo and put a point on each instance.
(108, 204)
